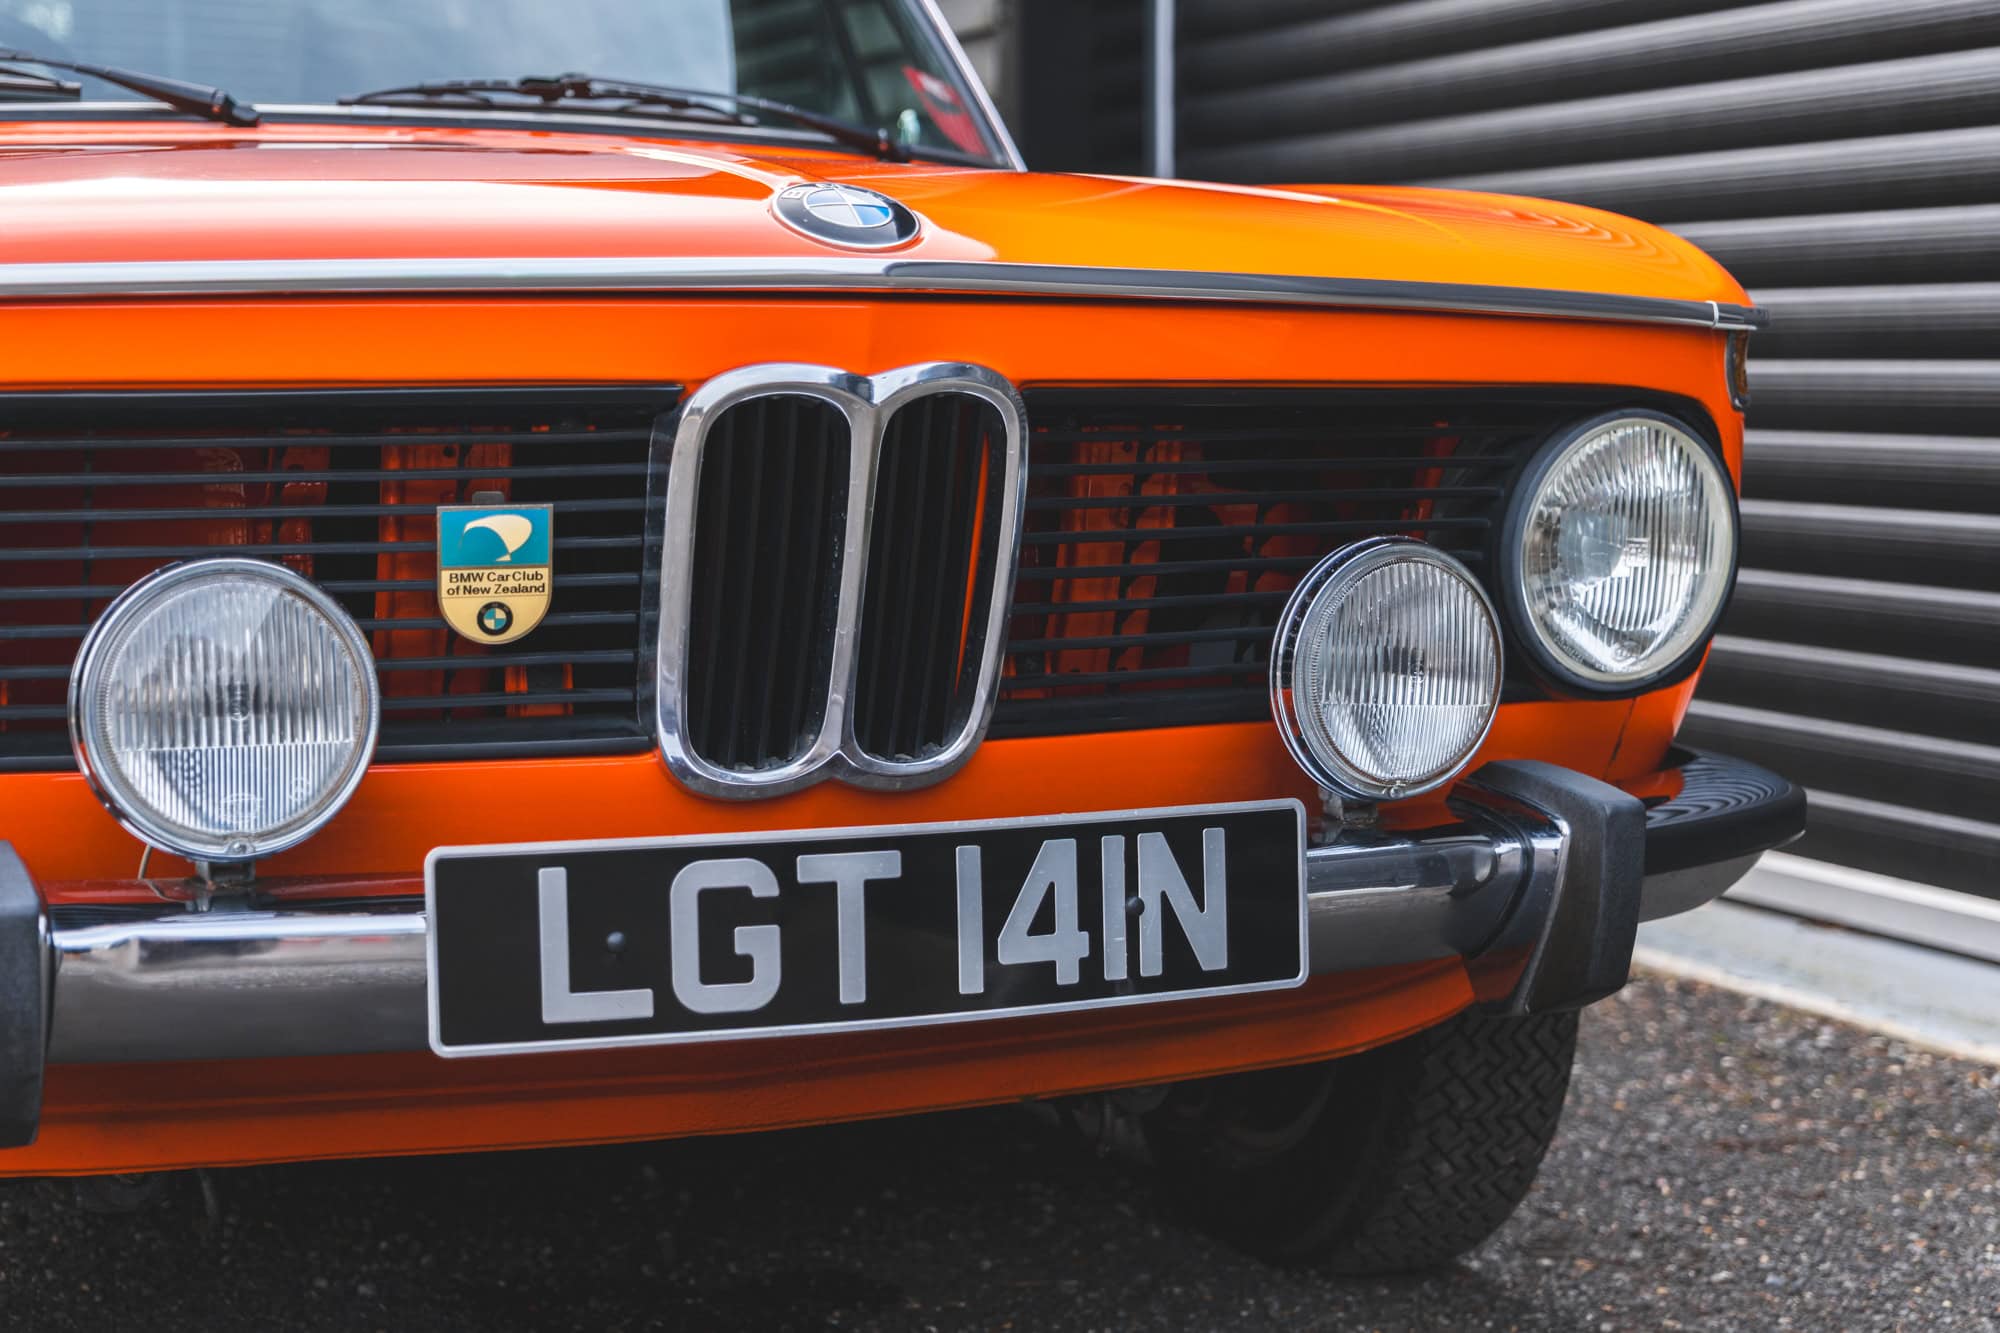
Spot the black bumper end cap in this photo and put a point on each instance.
(24, 998)
(1726, 809)
(1579, 937)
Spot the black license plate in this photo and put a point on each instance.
(593, 944)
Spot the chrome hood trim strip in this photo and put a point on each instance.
(265, 277)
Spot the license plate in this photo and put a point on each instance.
(568, 946)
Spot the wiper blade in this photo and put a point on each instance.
(194, 98)
(22, 83)
(542, 91)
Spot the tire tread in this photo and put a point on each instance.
(1487, 1097)
(1417, 1152)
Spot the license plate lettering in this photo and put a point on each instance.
(685, 939)
(1052, 880)
(849, 873)
(759, 943)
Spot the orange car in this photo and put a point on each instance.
(552, 610)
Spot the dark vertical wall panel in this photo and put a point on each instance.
(1842, 157)
(1081, 84)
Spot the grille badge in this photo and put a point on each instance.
(495, 569)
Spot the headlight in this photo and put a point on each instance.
(1385, 672)
(1619, 551)
(224, 709)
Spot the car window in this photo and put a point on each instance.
(861, 60)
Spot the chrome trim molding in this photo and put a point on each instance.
(167, 982)
(867, 404)
(995, 126)
(170, 983)
(226, 984)
(1161, 125)
(723, 273)
(1745, 317)
(299, 980)
(1377, 898)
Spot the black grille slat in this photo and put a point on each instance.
(891, 575)
(286, 548)
(591, 658)
(957, 546)
(49, 480)
(1293, 563)
(98, 489)
(827, 465)
(1333, 527)
(710, 562)
(1144, 674)
(766, 508)
(1262, 465)
(1169, 602)
(891, 716)
(1226, 634)
(1322, 434)
(270, 511)
(784, 466)
(554, 620)
(97, 440)
(67, 630)
(1166, 528)
(428, 703)
(930, 551)
(759, 607)
(1348, 494)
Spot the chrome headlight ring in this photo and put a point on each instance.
(224, 709)
(1618, 553)
(1386, 669)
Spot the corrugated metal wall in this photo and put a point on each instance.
(1843, 158)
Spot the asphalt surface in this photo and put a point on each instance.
(1724, 1164)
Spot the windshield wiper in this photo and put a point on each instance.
(544, 92)
(23, 83)
(194, 98)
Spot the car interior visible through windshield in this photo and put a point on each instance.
(862, 61)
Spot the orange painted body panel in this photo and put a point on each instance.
(107, 193)
(77, 193)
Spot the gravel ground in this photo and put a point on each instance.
(1724, 1164)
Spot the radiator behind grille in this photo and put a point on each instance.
(1165, 529)
(98, 490)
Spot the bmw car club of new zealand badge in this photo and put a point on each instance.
(496, 569)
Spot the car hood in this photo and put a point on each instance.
(97, 192)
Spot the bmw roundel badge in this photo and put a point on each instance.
(845, 215)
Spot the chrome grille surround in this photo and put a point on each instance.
(867, 403)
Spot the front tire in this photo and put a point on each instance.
(1400, 1158)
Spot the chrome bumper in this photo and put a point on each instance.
(1545, 875)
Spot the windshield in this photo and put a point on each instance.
(872, 62)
